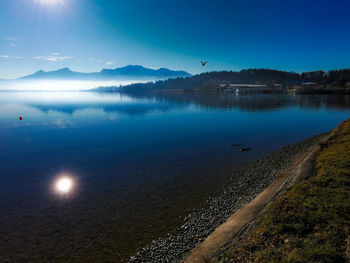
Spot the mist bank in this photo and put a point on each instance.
(67, 80)
(62, 84)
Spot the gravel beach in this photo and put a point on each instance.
(244, 186)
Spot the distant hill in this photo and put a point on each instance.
(206, 81)
(136, 71)
(123, 73)
(64, 73)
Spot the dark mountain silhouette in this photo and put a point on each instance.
(206, 81)
(128, 72)
(61, 73)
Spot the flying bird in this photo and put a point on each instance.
(203, 63)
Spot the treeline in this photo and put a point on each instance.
(207, 81)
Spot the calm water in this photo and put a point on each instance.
(138, 162)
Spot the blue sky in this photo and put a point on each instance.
(88, 35)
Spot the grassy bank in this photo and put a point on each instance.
(311, 222)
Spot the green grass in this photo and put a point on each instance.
(311, 222)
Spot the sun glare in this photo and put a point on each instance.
(50, 2)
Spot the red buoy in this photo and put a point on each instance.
(20, 118)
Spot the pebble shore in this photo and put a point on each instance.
(244, 186)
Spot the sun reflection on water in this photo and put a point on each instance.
(64, 184)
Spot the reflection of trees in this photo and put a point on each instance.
(335, 101)
(164, 102)
(259, 102)
(246, 103)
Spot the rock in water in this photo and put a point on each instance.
(245, 149)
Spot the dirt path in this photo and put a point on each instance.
(240, 221)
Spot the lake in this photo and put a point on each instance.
(138, 163)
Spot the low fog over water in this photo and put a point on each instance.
(61, 85)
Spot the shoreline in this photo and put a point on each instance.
(245, 185)
(309, 222)
(240, 224)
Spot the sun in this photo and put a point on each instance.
(50, 2)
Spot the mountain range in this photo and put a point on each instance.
(123, 73)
